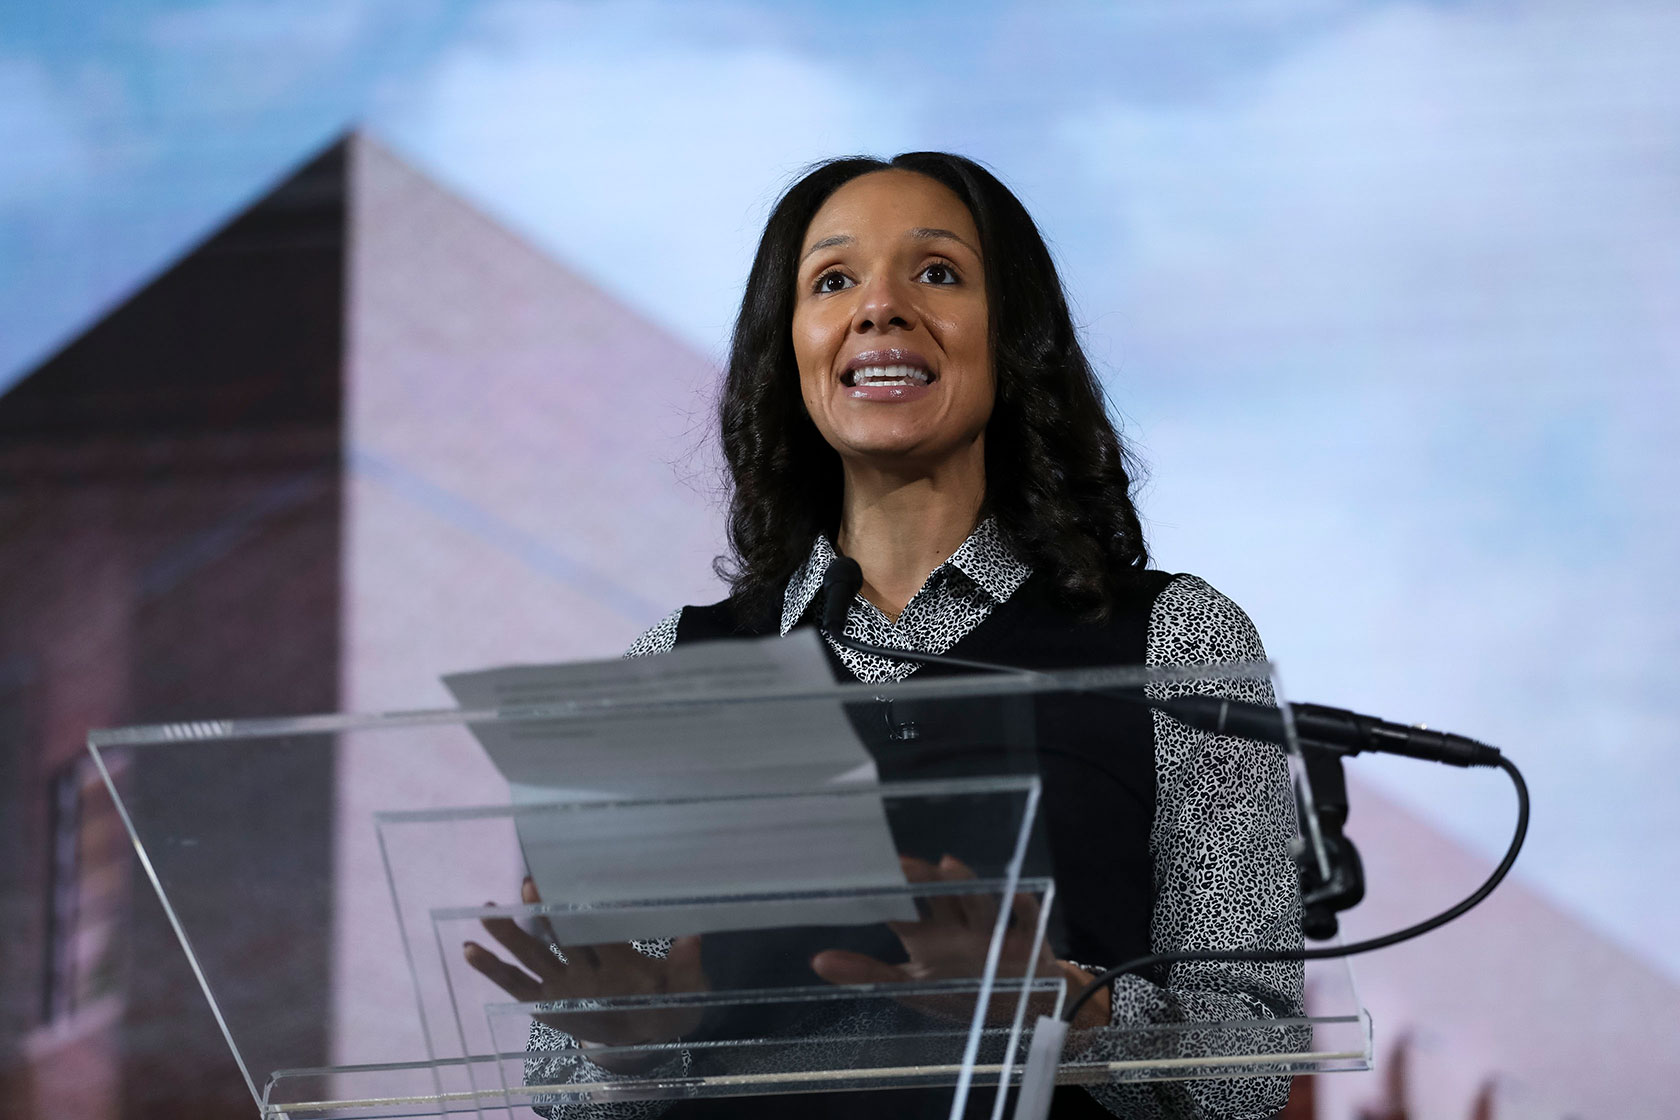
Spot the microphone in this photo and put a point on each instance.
(840, 585)
(1343, 731)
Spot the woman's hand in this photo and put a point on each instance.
(593, 972)
(951, 943)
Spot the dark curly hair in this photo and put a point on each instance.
(1058, 479)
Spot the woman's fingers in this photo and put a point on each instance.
(1024, 912)
(940, 909)
(529, 896)
(527, 950)
(506, 977)
(841, 966)
(978, 908)
(950, 867)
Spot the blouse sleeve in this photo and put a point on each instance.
(1224, 876)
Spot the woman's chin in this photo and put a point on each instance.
(898, 445)
(894, 455)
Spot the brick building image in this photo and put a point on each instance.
(361, 436)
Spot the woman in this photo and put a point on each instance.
(905, 387)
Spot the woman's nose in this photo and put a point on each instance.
(882, 304)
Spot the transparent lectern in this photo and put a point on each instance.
(325, 874)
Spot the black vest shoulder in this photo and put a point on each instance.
(726, 619)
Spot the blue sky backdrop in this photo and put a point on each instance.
(1385, 293)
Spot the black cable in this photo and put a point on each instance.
(1262, 956)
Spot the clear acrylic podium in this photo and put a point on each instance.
(324, 873)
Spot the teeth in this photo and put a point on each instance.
(890, 375)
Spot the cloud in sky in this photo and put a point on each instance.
(40, 134)
(644, 158)
(253, 53)
(1453, 169)
(295, 31)
(1454, 221)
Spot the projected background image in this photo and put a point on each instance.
(1383, 294)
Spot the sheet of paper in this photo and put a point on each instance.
(692, 748)
(677, 855)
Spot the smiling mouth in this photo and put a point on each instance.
(886, 375)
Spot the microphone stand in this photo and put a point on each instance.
(1323, 897)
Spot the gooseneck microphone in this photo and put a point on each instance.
(1345, 731)
(1341, 730)
(841, 583)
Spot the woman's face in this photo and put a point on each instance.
(890, 324)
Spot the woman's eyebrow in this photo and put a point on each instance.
(926, 234)
(829, 243)
(921, 233)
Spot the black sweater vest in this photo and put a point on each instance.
(1096, 759)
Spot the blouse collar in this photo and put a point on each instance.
(985, 558)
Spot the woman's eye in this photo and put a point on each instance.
(938, 274)
(832, 282)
